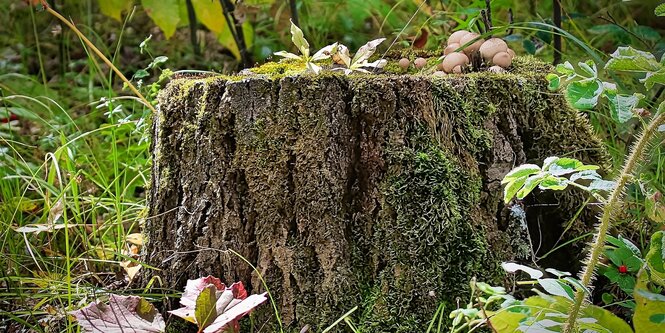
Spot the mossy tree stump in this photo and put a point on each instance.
(381, 191)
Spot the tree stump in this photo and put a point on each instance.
(377, 191)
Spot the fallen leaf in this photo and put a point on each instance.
(122, 314)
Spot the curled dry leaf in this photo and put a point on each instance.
(231, 303)
(122, 314)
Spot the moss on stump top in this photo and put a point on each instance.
(378, 191)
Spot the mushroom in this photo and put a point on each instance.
(473, 48)
(491, 47)
(451, 48)
(502, 59)
(420, 63)
(457, 70)
(456, 36)
(511, 52)
(404, 63)
(439, 73)
(453, 60)
(496, 69)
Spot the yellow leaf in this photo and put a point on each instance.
(135, 238)
(210, 14)
(114, 8)
(226, 38)
(165, 14)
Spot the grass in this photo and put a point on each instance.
(75, 164)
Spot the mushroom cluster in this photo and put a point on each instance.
(494, 52)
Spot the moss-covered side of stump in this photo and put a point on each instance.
(377, 191)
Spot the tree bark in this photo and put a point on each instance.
(377, 191)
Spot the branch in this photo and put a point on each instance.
(236, 30)
(192, 27)
(556, 13)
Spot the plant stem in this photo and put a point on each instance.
(191, 14)
(294, 13)
(102, 56)
(556, 9)
(609, 211)
(236, 30)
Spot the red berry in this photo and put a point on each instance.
(623, 269)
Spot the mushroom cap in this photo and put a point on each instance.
(451, 48)
(439, 73)
(491, 47)
(404, 63)
(511, 52)
(502, 59)
(456, 36)
(457, 70)
(473, 48)
(453, 60)
(496, 69)
(420, 62)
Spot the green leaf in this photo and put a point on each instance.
(210, 14)
(622, 106)
(566, 69)
(607, 298)
(589, 68)
(521, 171)
(158, 61)
(655, 258)
(529, 185)
(653, 78)
(141, 73)
(584, 94)
(205, 312)
(650, 307)
(529, 46)
(114, 8)
(165, 14)
(554, 81)
(628, 59)
(226, 39)
(557, 288)
(511, 189)
(554, 183)
(660, 10)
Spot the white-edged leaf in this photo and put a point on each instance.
(512, 267)
(299, 40)
(366, 51)
(325, 52)
(288, 55)
(520, 171)
(557, 288)
(237, 311)
(312, 67)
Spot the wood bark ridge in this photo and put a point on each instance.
(378, 191)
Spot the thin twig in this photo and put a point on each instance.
(556, 13)
(228, 8)
(488, 15)
(191, 14)
(294, 13)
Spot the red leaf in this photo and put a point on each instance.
(420, 42)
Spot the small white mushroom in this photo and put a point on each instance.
(456, 36)
(502, 59)
(404, 63)
(512, 53)
(473, 48)
(420, 62)
(491, 47)
(457, 70)
(496, 69)
(451, 48)
(439, 73)
(453, 60)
